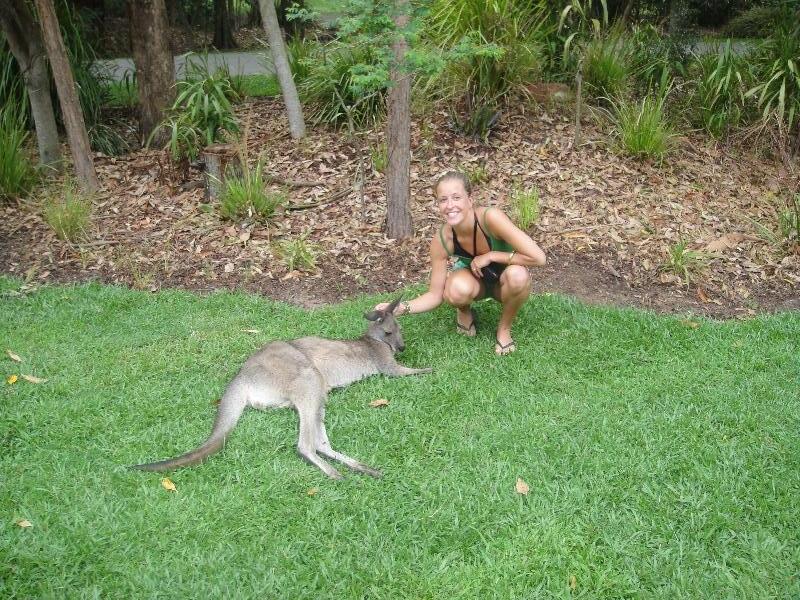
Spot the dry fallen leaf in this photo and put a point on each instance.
(313, 491)
(11, 379)
(33, 379)
(167, 484)
(251, 330)
(689, 323)
(379, 402)
(24, 523)
(13, 356)
(726, 242)
(702, 296)
(573, 582)
(522, 487)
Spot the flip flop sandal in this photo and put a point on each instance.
(470, 330)
(505, 349)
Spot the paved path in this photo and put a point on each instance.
(239, 63)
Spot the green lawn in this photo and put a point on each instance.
(663, 460)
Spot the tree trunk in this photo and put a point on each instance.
(398, 135)
(223, 34)
(294, 111)
(25, 41)
(155, 68)
(68, 97)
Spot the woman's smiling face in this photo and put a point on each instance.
(454, 201)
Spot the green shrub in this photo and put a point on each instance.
(69, 215)
(245, 196)
(719, 95)
(332, 88)
(297, 253)
(301, 52)
(606, 66)
(789, 222)
(502, 46)
(654, 57)
(776, 69)
(755, 22)
(205, 100)
(94, 87)
(17, 173)
(478, 121)
(642, 128)
(525, 206)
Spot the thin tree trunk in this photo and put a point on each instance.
(223, 34)
(155, 68)
(68, 97)
(398, 135)
(294, 111)
(25, 41)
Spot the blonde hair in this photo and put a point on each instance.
(458, 175)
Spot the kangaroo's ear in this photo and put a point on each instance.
(393, 305)
(373, 315)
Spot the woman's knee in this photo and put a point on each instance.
(460, 289)
(517, 279)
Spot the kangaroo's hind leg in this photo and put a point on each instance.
(324, 448)
(311, 410)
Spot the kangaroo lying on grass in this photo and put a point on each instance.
(299, 373)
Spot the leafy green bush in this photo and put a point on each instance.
(69, 215)
(642, 128)
(301, 52)
(205, 98)
(202, 113)
(655, 57)
(755, 22)
(17, 173)
(719, 95)
(245, 196)
(606, 66)
(501, 46)
(332, 87)
(12, 92)
(776, 68)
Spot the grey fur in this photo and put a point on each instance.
(299, 373)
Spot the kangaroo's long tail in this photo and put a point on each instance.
(227, 418)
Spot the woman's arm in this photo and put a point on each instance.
(435, 294)
(526, 252)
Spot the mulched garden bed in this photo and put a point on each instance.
(607, 222)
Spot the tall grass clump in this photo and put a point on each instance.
(606, 66)
(68, 213)
(776, 68)
(504, 50)
(642, 128)
(297, 253)
(93, 87)
(719, 95)
(332, 88)
(525, 206)
(17, 173)
(245, 196)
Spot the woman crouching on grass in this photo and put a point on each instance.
(492, 259)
